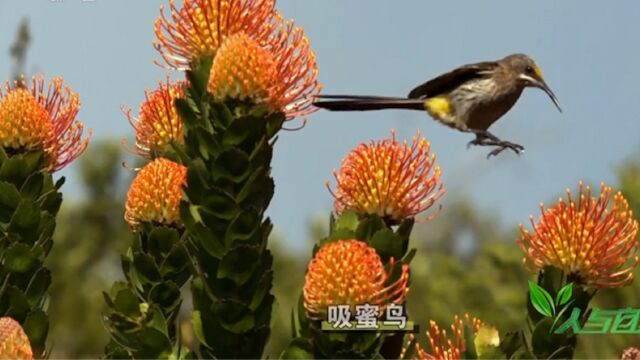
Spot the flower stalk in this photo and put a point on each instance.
(577, 246)
(380, 189)
(142, 311)
(38, 135)
(228, 151)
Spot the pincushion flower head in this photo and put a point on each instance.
(281, 73)
(585, 237)
(14, 343)
(451, 346)
(199, 27)
(158, 122)
(350, 272)
(391, 179)
(35, 117)
(155, 194)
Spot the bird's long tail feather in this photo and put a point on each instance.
(365, 103)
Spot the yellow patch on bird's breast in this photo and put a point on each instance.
(438, 107)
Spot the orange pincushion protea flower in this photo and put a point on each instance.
(200, 26)
(390, 179)
(281, 73)
(297, 80)
(349, 272)
(14, 343)
(585, 238)
(444, 347)
(155, 194)
(158, 122)
(42, 118)
(244, 70)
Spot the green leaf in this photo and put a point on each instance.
(196, 319)
(234, 316)
(512, 343)
(198, 75)
(153, 344)
(220, 204)
(19, 304)
(258, 190)
(32, 188)
(409, 256)
(36, 326)
(564, 294)
(298, 348)
(17, 168)
(127, 303)
(161, 240)
(18, 258)
(368, 227)
(232, 165)
(261, 289)
(9, 200)
(211, 243)
(239, 263)
(242, 130)
(165, 294)
(347, 221)
(340, 234)
(470, 351)
(541, 300)
(243, 227)
(551, 279)
(37, 290)
(387, 244)
(544, 342)
(146, 267)
(24, 223)
(274, 123)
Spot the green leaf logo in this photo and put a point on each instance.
(541, 300)
(564, 294)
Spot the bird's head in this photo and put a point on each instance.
(528, 74)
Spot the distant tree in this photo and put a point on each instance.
(18, 50)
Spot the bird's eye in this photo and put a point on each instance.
(529, 69)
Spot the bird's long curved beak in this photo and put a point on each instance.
(542, 85)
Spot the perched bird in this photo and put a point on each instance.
(469, 98)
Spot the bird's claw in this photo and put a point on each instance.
(517, 148)
(474, 142)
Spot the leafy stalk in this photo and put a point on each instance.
(228, 150)
(309, 340)
(29, 203)
(142, 311)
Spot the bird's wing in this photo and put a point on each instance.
(454, 78)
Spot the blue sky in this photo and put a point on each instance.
(587, 50)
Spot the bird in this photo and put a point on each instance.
(469, 98)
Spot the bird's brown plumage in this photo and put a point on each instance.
(469, 98)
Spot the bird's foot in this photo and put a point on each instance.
(502, 145)
(494, 141)
(476, 141)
